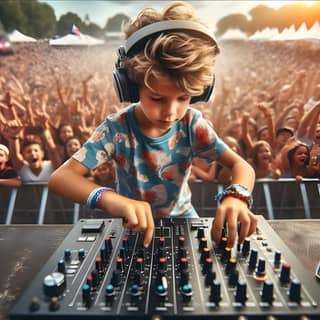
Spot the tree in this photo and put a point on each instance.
(232, 21)
(116, 22)
(12, 15)
(66, 21)
(41, 20)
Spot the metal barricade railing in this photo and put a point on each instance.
(282, 198)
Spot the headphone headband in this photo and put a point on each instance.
(126, 90)
(167, 25)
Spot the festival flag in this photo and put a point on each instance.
(75, 30)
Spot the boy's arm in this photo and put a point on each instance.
(202, 174)
(70, 181)
(309, 122)
(233, 210)
(11, 182)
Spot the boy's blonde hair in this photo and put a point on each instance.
(187, 59)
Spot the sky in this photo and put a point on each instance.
(210, 11)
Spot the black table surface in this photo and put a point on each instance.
(24, 249)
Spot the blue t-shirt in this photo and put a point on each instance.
(155, 170)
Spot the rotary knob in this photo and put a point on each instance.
(54, 284)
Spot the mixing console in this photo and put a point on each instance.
(102, 271)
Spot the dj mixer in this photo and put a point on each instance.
(102, 271)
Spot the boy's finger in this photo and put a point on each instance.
(149, 231)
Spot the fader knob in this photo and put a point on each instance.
(61, 266)
(183, 264)
(104, 256)
(241, 292)
(86, 295)
(135, 293)
(140, 265)
(200, 233)
(141, 253)
(186, 292)
(285, 273)
(81, 254)
(205, 253)
(226, 255)
(202, 243)
(253, 259)
(222, 244)
(109, 294)
(162, 241)
(207, 265)
(115, 278)
(181, 241)
(184, 277)
(67, 254)
(182, 252)
(233, 278)
(95, 278)
(295, 291)
(231, 265)
(277, 259)
(161, 291)
(209, 278)
(125, 243)
(246, 247)
(162, 263)
(122, 253)
(267, 292)
(215, 292)
(137, 278)
(261, 268)
(108, 244)
(119, 264)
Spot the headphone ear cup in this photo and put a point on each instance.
(205, 96)
(126, 90)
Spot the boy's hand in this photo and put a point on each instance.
(232, 211)
(137, 215)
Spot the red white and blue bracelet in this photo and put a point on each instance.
(236, 191)
(95, 196)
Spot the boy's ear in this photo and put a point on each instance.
(126, 90)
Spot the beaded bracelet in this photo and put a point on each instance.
(95, 196)
(237, 191)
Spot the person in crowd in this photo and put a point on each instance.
(72, 145)
(65, 132)
(8, 176)
(283, 136)
(202, 170)
(223, 173)
(261, 160)
(155, 140)
(28, 156)
(295, 161)
(104, 174)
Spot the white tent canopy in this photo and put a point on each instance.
(75, 40)
(234, 34)
(17, 36)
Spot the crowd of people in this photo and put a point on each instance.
(266, 108)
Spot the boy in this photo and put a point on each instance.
(154, 141)
(8, 176)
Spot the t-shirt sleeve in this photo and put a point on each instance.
(206, 143)
(97, 149)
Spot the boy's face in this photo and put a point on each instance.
(3, 159)
(161, 107)
(33, 154)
